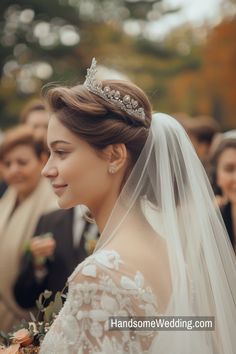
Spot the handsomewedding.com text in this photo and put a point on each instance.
(163, 323)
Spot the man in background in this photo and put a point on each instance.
(63, 239)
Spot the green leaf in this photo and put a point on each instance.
(6, 338)
(39, 305)
(40, 299)
(57, 303)
(4, 335)
(48, 314)
(32, 316)
(41, 329)
(47, 294)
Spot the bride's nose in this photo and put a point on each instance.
(49, 171)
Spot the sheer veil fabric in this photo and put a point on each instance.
(166, 211)
(165, 229)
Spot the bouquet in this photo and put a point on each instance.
(27, 336)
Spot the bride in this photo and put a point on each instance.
(163, 249)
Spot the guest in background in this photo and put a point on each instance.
(223, 171)
(28, 197)
(3, 185)
(201, 132)
(35, 115)
(52, 259)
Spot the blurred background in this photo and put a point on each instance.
(181, 52)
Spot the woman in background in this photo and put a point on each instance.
(223, 167)
(29, 195)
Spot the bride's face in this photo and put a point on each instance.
(78, 174)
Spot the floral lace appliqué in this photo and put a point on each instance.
(100, 288)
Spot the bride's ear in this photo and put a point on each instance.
(117, 157)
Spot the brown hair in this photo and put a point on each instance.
(22, 135)
(224, 144)
(100, 122)
(33, 105)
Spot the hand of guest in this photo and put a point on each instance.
(42, 247)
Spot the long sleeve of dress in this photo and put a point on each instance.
(100, 287)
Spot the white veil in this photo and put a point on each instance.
(169, 193)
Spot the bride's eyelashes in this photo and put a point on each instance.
(60, 153)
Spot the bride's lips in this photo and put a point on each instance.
(59, 188)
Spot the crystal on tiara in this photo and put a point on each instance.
(126, 103)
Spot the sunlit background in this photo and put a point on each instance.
(181, 52)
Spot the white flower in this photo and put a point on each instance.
(96, 329)
(90, 270)
(128, 283)
(109, 304)
(108, 258)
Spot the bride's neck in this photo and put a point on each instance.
(102, 211)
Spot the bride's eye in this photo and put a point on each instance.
(60, 153)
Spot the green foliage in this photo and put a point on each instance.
(34, 33)
(39, 325)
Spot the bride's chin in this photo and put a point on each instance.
(68, 200)
(64, 204)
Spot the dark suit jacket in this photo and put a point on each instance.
(227, 217)
(3, 188)
(65, 259)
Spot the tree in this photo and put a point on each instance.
(54, 40)
(220, 72)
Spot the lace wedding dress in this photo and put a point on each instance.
(100, 287)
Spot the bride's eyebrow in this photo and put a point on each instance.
(54, 143)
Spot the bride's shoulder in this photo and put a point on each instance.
(102, 260)
(99, 288)
(105, 272)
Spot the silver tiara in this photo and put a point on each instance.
(125, 103)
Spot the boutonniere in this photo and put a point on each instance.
(90, 241)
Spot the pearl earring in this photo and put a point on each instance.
(112, 169)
